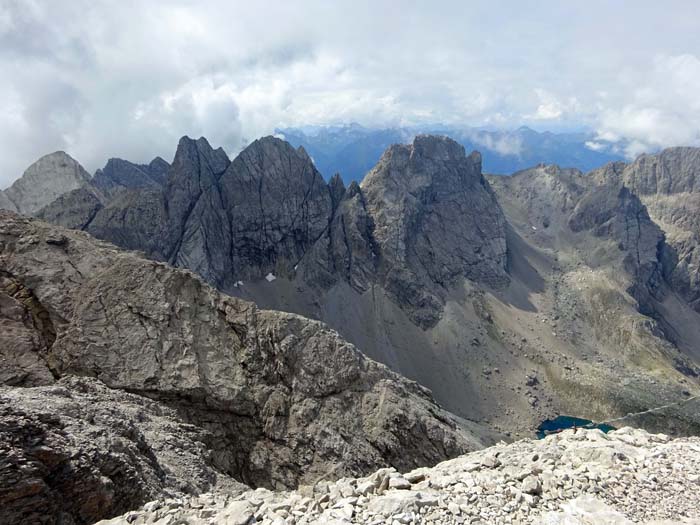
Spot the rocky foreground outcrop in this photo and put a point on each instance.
(279, 399)
(76, 451)
(572, 478)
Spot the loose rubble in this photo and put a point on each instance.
(583, 477)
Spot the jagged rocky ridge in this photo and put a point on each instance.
(262, 213)
(513, 299)
(423, 219)
(579, 478)
(268, 398)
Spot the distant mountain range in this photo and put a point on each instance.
(577, 281)
(514, 300)
(352, 150)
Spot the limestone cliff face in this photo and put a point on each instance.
(285, 399)
(435, 221)
(44, 181)
(277, 204)
(421, 222)
(668, 184)
(617, 216)
(226, 221)
(674, 170)
(347, 251)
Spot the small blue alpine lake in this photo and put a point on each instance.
(559, 423)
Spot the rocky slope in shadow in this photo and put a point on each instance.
(277, 399)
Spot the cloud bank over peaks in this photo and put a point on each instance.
(101, 79)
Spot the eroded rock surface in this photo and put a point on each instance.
(436, 220)
(668, 184)
(76, 452)
(278, 206)
(285, 398)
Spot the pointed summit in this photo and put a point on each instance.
(436, 222)
(193, 153)
(44, 181)
(158, 168)
(278, 205)
(437, 147)
(337, 189)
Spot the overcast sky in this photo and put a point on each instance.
(126, 79)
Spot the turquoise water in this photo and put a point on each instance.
(550, 426)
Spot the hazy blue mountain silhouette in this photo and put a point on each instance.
(352, 150)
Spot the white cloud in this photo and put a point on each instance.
(505, 144)
(595, 146)
(126, 79)
(660, 108)
(197, 108)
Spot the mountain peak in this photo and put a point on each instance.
(436, 222)
(271, 149)
(44, 181)
(430, 160)
(191, 151)
(437, 147)
(337, 188)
